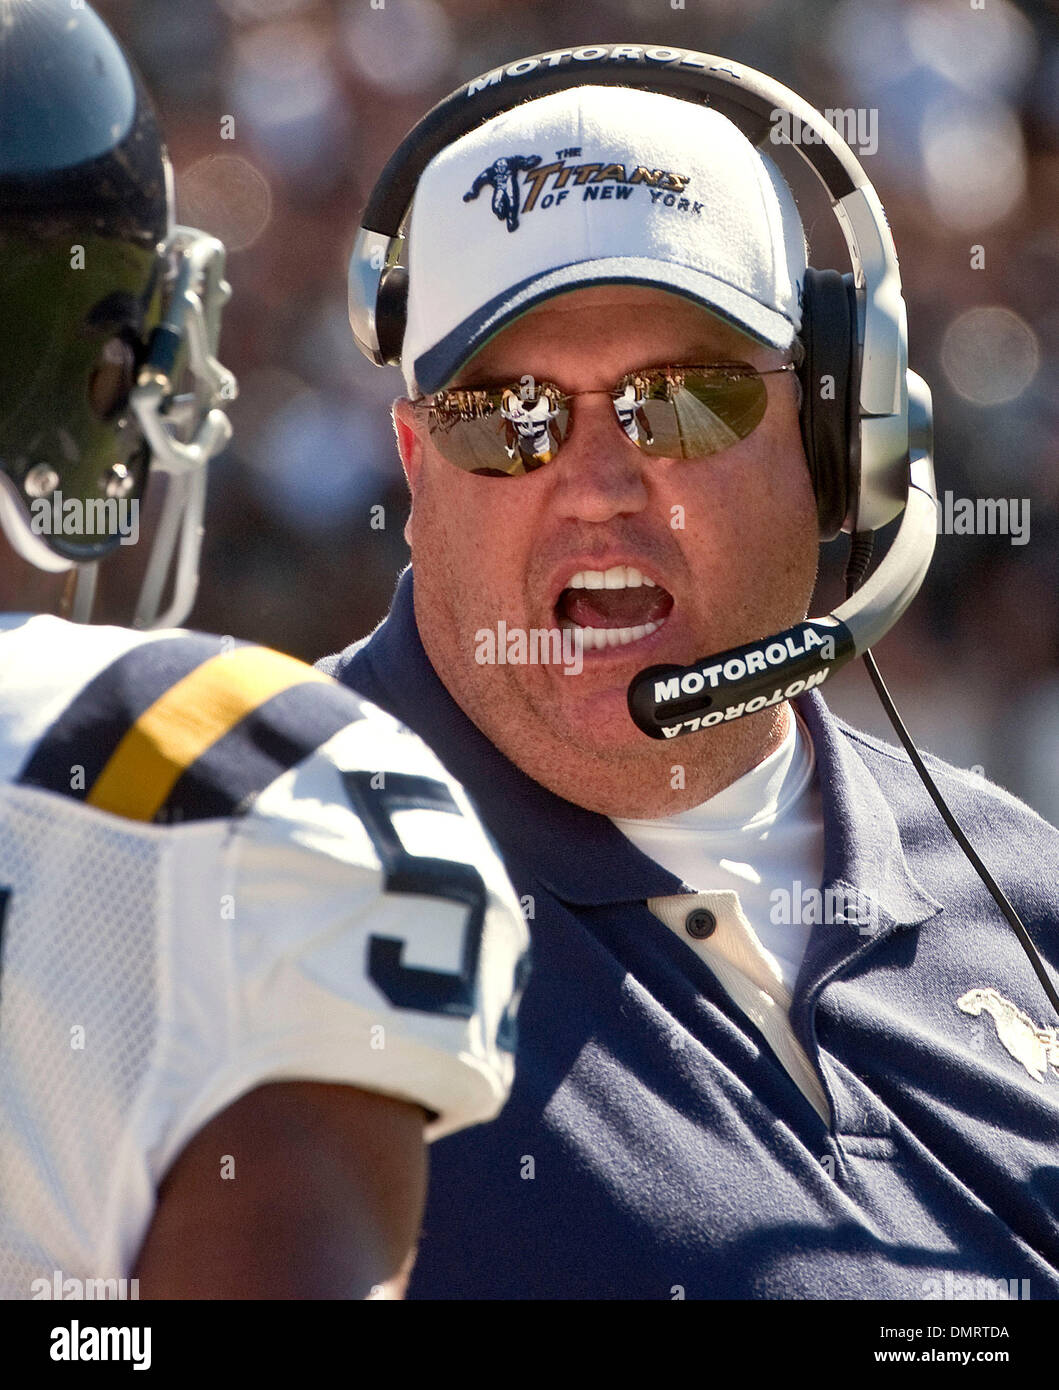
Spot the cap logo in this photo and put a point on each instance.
(599, 181)
(502, 176)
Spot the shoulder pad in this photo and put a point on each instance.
(187, 727)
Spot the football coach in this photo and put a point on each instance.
(777, 1040)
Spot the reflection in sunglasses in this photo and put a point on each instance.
(684, 412)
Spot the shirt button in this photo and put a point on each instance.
(700, 922)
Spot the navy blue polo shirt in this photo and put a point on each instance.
(654, 1147)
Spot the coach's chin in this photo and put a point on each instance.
(730, 543)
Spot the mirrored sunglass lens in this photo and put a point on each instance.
(694, 417)
(504, 439)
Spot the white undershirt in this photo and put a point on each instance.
(755, 855)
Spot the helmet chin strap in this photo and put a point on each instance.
(80, 589)
(23, 540)
(179, 529)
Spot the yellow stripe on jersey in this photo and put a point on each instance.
(186, 721)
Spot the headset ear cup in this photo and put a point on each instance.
(828, 305)
(390, 308)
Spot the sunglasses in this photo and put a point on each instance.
(667, 412)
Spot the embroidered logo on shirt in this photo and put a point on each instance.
(1032, 1046)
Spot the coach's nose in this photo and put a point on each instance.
(600, 470)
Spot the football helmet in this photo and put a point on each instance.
(110, 313)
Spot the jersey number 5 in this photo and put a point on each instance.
(406, 986)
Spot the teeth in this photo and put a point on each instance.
(617, 577)
(597, 638)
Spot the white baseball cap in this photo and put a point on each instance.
(588, 186)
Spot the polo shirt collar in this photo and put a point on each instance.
(862, 844)
(581, 855)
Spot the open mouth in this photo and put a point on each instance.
(614, 607)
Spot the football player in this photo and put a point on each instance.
(631, 414)
(528, 426)
(256, 947)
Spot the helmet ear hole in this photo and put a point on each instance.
(112, 378)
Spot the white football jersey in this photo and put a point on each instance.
(532, 423)
(218, 868)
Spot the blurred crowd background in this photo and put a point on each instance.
(967, 100)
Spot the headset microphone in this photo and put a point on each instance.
(667, 701)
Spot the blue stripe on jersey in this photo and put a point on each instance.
(270, 740)
(96, 720)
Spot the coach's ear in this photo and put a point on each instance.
(409, 445)
(410, 448)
